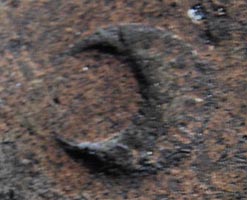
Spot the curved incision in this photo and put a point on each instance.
(128, 149)
(132, 41)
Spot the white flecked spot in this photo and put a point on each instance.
(198, 100)
(196, 14)
(78, 33)
(186, 131)
(71, 45)
(26, 161)
(176, 36)
(85, 68)
(18, 84)
(194, 52)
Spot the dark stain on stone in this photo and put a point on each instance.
(26, 71)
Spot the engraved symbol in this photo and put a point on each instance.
(131, 149)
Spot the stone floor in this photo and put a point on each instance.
(95, 95)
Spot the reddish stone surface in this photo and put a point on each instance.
(95, 95)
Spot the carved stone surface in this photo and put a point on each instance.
(146, 103)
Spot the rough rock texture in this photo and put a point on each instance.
(191, 91)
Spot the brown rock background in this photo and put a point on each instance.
(93, 96)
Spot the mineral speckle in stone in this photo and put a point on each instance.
(197, 13)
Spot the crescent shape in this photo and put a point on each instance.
(136, 43)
